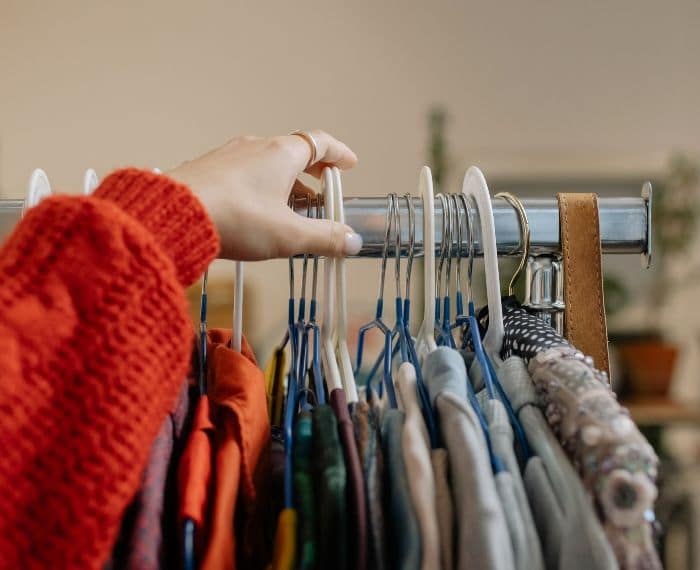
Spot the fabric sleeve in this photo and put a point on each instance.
(95, 342)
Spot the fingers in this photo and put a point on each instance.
(323, 237)
(301, 191)
(329, 151)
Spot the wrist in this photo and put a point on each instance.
(171, 212)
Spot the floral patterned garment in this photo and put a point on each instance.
(617, 465)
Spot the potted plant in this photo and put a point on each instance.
(647, 358)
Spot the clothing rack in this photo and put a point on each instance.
(625, 225)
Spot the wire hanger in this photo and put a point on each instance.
(378, 323)
(202, 368)
(449, 218)
(291, 402)
(301, 327)
(496, 463)
(312, 325)
(423, 394)
(90, 181)
(341, 329)
(468, 321)
(425, 342)
(517, 205)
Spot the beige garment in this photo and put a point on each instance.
(415, 448)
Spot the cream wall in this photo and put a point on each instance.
(532, 87)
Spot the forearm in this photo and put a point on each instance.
(95, 341)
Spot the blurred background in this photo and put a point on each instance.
(543, 96)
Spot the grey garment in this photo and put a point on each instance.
(514, 520)
(548, 515)
(483, 540)
(402, 532)
(523, 534)
(562, 509)
(443, 505)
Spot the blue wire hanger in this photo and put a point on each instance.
(312, 327)
(378, 323)
(443, 333)
(301, 327)
(423, 394)
(398, 334)
(291, 403)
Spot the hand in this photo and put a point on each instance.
(245, 186)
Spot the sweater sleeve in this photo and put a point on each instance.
(95, 342)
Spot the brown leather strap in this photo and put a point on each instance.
(584, 324)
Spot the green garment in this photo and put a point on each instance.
(330, 480)
(304, 492)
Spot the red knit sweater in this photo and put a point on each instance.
(94, 344)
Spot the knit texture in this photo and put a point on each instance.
(95, 341)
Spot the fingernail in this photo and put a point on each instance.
(352, 244)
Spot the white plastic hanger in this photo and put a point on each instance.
(90, 181)
(474, 186)
(425, 342)
(341, 329)
(37, 189)
(330, 363)
(237, 329)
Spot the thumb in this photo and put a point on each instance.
(325, 237)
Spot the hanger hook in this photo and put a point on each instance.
(314, 274)
(396, 218)
(305, 265)
(450, 243)
(517, 204)
(459, 236)
(411, 241)
(469, 218)
(443, 244)
(290, 203)
(385, 249)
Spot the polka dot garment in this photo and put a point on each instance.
(525, 335)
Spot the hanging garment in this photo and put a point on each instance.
(194, 475)
(330, 482)
(275, 372)
(284, 554)
(415, 447)
(444, 506)
(521, 525)
(147, 527)
(482, 531)
(239, 412)
(81, 399)
(304, 492)
(357, 539)
(616, 463)
(404, 547)
(366, 425)
(571, 535)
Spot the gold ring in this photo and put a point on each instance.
(312, 144)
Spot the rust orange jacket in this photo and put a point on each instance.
(94, 343)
